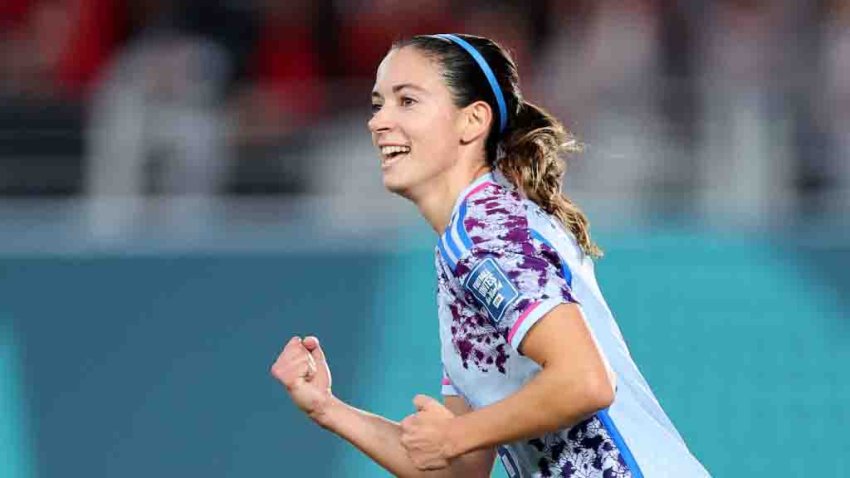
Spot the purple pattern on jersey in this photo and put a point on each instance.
(587, 452)
(497, 224)
(498, 228)
(476, 341)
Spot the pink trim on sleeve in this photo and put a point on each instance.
(521, 320)
(478, 188)
(446, 381)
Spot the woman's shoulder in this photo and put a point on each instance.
(494, 213)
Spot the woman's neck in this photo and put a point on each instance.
(436, 204)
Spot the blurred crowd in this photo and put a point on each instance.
(681, 104)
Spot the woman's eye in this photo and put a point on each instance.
(406, 101)
(375, 108)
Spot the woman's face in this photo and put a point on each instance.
(414, 122)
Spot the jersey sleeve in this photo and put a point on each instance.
(513, 287)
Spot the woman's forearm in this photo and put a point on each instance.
(376, 436)
(545, 404)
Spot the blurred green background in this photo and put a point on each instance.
(156, 364)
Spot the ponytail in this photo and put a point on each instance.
(529, 139)
(531, 160)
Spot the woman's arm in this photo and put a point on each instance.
(475, 463)
(380, 439)
(575, 382)
(302, 368)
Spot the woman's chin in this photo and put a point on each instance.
(393, 183)
(396, 183)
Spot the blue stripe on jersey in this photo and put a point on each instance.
(445, 254)
(464, 237)
(451, 243)
(565, 269)
(508, 462)
(621, 444)
(458, 240)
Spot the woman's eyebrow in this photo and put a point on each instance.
(402, 86)
(398, 88)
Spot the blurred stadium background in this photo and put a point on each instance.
(185, 184)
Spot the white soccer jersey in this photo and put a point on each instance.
(502, 264)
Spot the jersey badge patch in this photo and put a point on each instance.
(491, 288)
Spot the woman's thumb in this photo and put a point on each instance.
(423, 402)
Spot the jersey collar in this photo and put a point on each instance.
(477, 184)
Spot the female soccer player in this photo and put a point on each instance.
(534, 364)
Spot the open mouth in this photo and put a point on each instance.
(393, 154)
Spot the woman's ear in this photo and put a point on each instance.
(477, 119)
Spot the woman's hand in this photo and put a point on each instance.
(301, 368)
(425, 434)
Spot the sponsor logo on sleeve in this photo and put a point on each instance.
(491, 288)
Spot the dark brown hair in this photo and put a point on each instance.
(529, 151)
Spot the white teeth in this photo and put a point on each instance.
(386, 150)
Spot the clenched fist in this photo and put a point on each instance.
(301, 368)
(425, 434)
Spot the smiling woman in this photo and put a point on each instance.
(413, 109)
(535, 367)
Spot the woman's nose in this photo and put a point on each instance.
(380, 121)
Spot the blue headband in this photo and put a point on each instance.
(497, 91)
